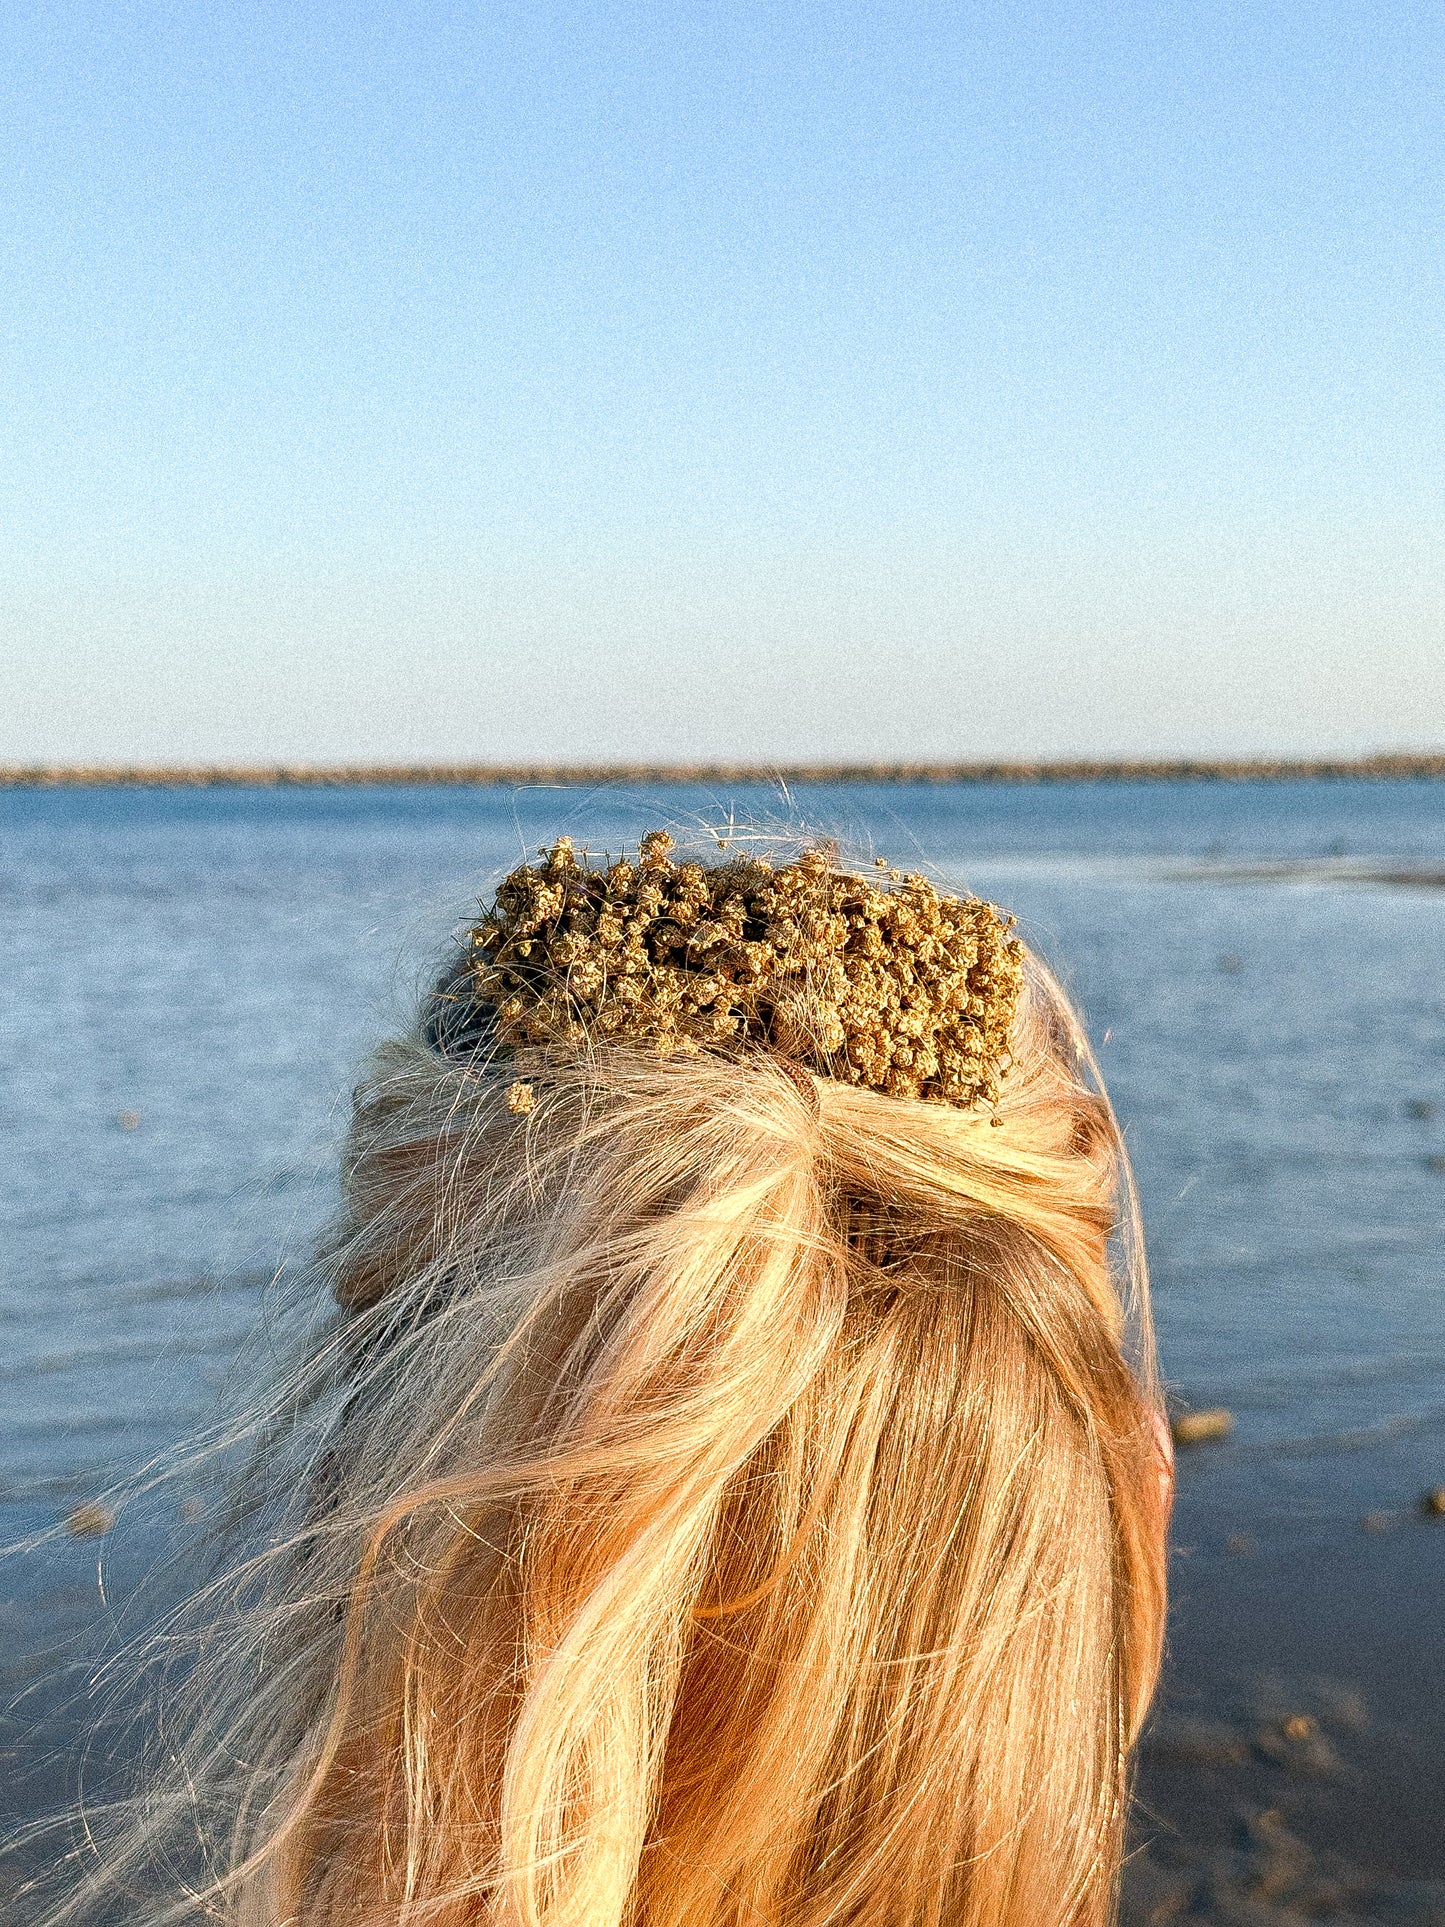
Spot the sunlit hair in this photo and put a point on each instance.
(727, 1497)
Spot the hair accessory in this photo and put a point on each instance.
(899, 989)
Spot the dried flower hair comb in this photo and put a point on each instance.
(898, 989)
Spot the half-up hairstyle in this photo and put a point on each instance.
(729, 1495)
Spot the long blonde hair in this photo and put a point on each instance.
(729, 1496)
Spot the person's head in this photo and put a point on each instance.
(734, 1492)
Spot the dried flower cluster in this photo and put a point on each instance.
(899, 989)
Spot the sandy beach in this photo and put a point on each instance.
(1292, 1769)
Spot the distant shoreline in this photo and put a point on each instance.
(1418, 766)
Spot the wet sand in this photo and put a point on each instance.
(1293, 1770)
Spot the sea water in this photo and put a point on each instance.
(191, 980)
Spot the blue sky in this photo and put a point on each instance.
(544, 380)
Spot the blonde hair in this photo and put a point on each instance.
(730, 1496)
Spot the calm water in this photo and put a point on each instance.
(207, 969)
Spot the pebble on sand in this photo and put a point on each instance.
(1378, 1521)
(1241, 1544)
(1432, 1502)
(88, 1521)
(1199, 1428)
(128, 1120)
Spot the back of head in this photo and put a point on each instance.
(742, 1502)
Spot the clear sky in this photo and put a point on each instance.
(406, 379)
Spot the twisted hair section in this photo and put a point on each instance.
(732, 1498)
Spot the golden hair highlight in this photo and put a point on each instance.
(729, 1499)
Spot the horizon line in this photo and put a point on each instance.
(1419, 765)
